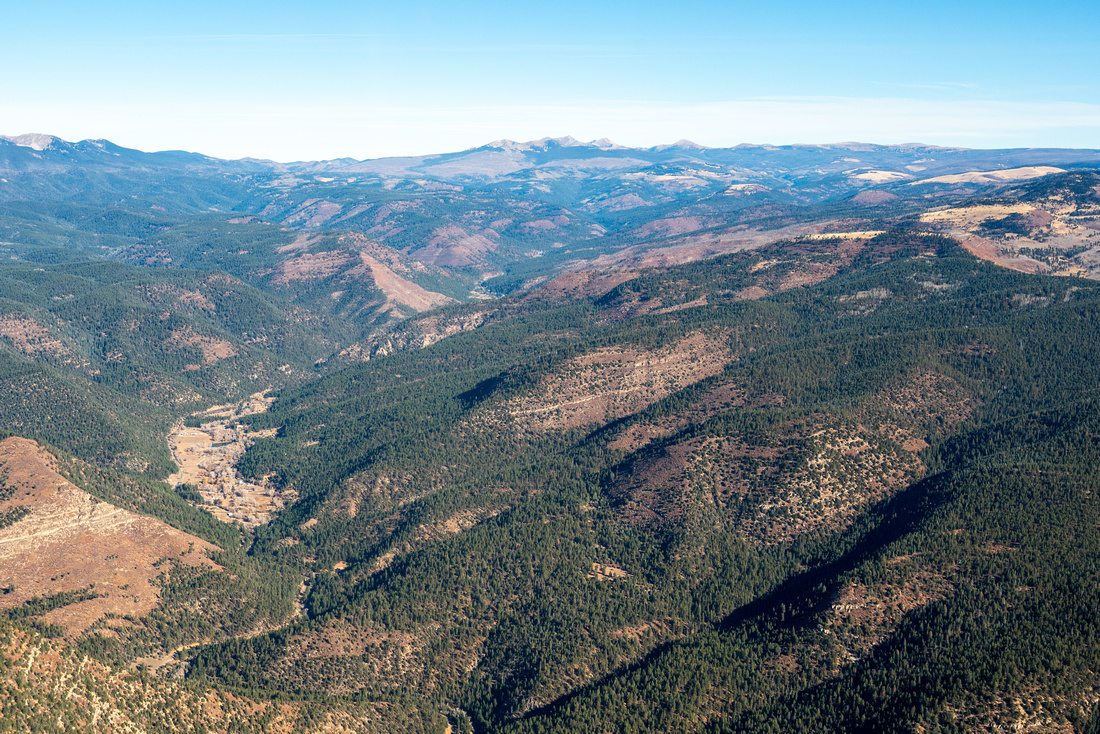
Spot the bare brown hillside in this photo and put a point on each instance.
(71, 541)
(615, 382)
(57, 686)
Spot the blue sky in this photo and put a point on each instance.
(291, 81)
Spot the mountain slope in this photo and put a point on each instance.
(575, 561)
(751, 439)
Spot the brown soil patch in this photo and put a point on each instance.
(212, 348)
(453, 246)
(810, 274)
(313, 213)
(718, 399)
(398, 289)
(873, 197)
(617, 381)
(585, 283)
(657, 628)
(1037, 218)
(752, 293)
(455, 524)
(302, 241)
(988, 250)
(803, 478)
(860, 617)
(71, 541)
(603, 572)
(29, 336)
(309, 266)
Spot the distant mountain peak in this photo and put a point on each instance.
(682, 144)
(35, 141)
(567, 141)
(606, 144)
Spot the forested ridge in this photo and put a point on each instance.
(770, 580)
(823, 483)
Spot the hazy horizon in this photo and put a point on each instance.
(426, 154)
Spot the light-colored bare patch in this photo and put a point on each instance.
(313, 213)
(864, 235)
(881, 176)
(702, 301)
(540, 224)
(604, 572)
(617, 203)
(988, 250)
(302, 241)
(809, 274)
(1029, 711)
(29, 336)
(972, 216)
(751, 293)
(993, 177)
(71, 541)
(311, 266)
(745, 189)
(614, 382)
(422, 332)
(207, 459)
(212, 348)
(398, 289)
(455, 524)
(657, 628)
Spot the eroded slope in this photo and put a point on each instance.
(69, 542)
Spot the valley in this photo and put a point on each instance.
(207, 456)
(550, 437)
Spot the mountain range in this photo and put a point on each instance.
(550, 436)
